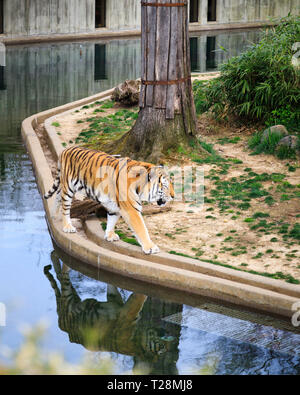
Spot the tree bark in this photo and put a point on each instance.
(167, 117)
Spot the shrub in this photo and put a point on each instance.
(200, 92)
(210, 95)
(285, 116)
(261, 83)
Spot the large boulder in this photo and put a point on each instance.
(277, 130)
(291, 142)
(127, 93)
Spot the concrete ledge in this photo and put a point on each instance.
(101, 33)
(196, 27)
(110, 34)
(195, 277)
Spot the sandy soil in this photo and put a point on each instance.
(205, 232)
(186, 231)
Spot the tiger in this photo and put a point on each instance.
(120, 185)
(112, 326)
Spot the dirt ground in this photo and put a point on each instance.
(69, 128)
(223, 236)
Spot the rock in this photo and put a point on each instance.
(127, 93)
(278, 130)
(290, 142)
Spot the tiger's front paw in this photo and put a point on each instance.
(152, 250)
(69, 229)
(112, 236)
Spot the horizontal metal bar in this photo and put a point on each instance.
(144, 4)
(172, 82)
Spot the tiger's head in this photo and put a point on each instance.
(159, 187)
(154, 342)
(151, 184)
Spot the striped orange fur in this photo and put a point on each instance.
(119, 184)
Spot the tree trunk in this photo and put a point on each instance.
(167, 117)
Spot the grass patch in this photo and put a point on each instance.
(269, 200)
(295, 232)
(278, 275)
(268, 144)
(207, 146)
(260, 215)
(122, 236)
(108, 128)
(226, 193)
(258, 256)
(227, 140)
(108, 104)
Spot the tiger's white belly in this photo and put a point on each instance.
(109, 205)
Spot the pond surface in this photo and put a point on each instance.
(168, 331)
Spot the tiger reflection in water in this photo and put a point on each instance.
(106, 326)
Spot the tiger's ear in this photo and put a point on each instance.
(158, 167)
(152, 173)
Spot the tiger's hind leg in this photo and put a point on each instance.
(110, 234)
(67, 198)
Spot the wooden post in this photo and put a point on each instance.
(165, 56)
(167, 116)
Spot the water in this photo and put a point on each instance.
(170, 335)
(208, 52)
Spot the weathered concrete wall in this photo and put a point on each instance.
(38, 17)
(125, 14)
(229, 11)
(30, 17)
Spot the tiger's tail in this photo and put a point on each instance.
(55, 186)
